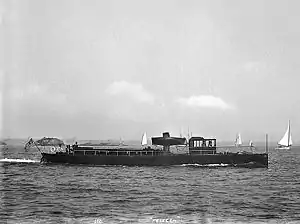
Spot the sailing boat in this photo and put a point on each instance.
(250, 143)
(144, 140)
(286, 141)
(238, 140)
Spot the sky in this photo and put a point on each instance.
(116, 69)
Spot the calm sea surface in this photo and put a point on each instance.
(39, 193)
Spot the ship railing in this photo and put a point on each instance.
(116, 152)
(208, 152)
(226, 150)
(202, 152)
(237, 149)
(135, 153)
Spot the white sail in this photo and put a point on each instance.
(250, 143)
(144, 139)
(238, 140)
(287, 138)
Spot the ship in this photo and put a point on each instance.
(286, 141)
(200, 151)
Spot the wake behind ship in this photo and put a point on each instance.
(200, 151)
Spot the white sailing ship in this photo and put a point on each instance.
(238, 140)
(286, 141)
(144, 140)
(251, 143)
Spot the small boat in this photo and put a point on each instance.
(251, 143)
(286, 141)
(252, 146)
(238, 140)
(144, 140)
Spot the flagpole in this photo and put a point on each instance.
(267, 150)
(37, 146)
(289, 127)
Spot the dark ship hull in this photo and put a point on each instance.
(229, 159)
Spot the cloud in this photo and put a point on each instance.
(41, 98)
(133, 90)
(257, 69)
(206, 101)
(252, 66)
(36, 92)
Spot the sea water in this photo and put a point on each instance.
(32, 192)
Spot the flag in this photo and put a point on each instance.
(29, 143)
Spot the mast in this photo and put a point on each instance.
(289, 130)
(267, 150)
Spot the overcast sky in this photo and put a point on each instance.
(111, 69)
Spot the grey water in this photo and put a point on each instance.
(32, 192)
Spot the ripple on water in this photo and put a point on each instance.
(117, 194)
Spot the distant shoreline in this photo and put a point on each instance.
(116, 142)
